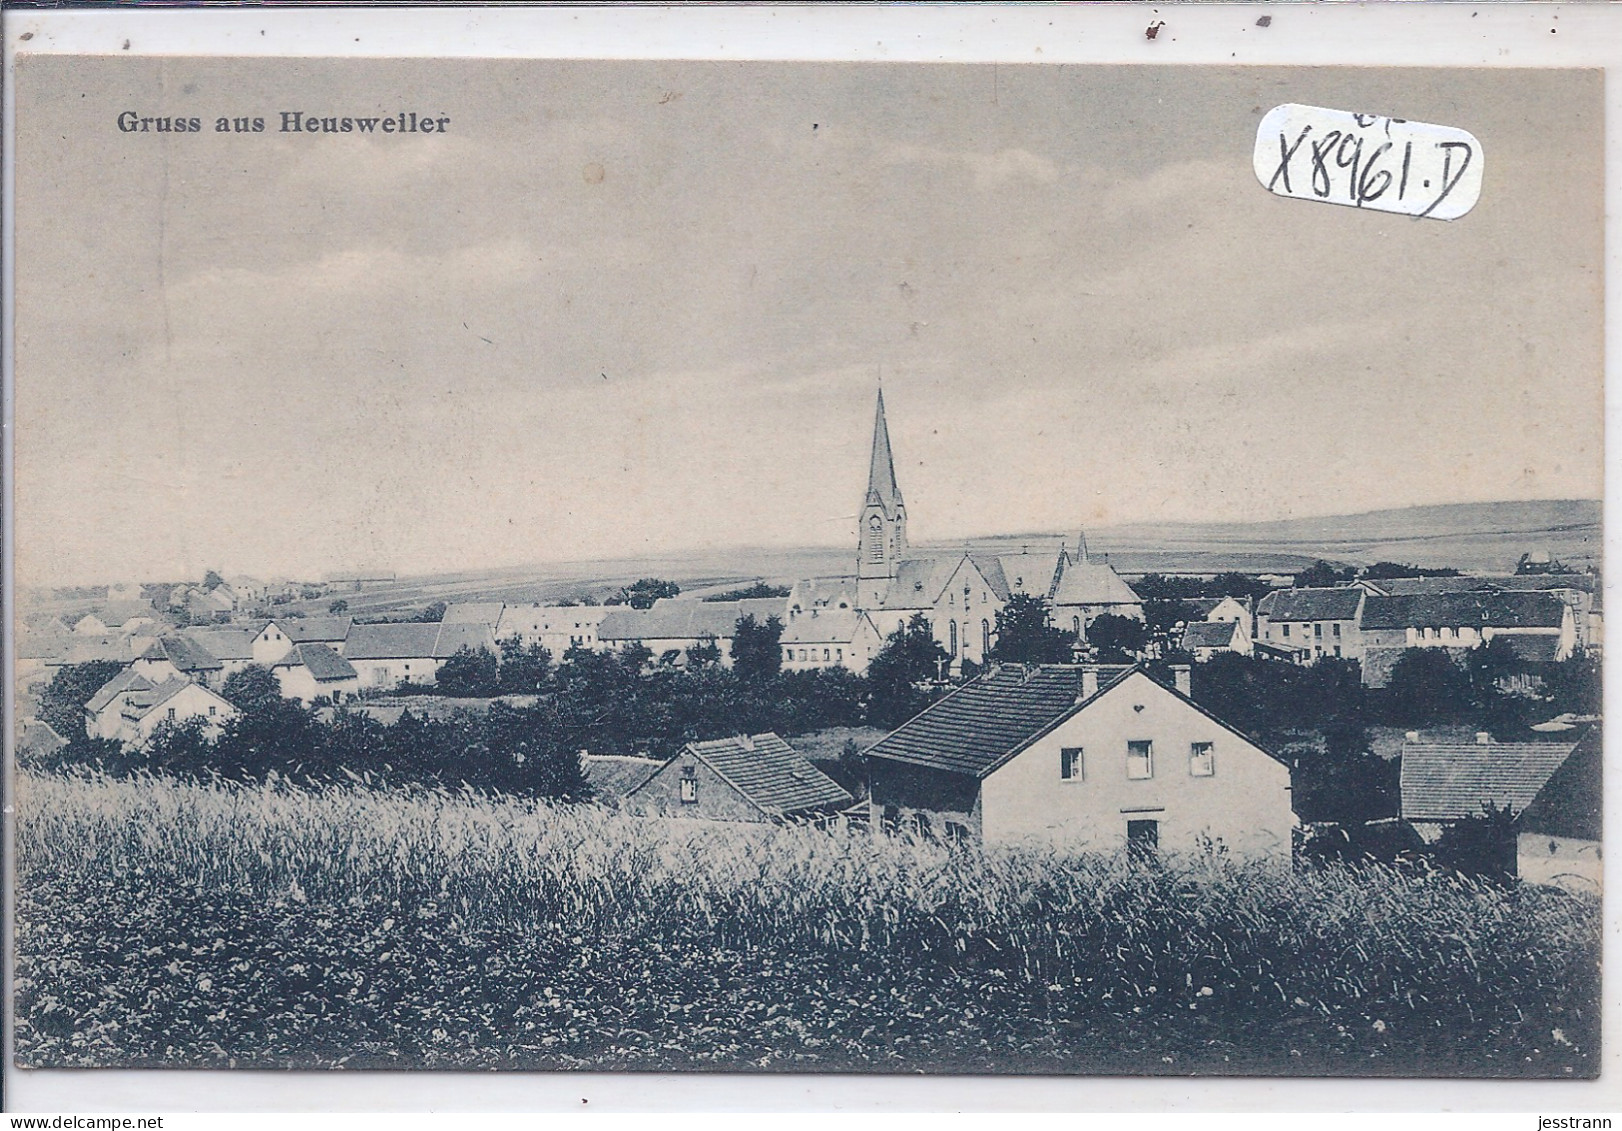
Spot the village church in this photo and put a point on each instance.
(959, 593)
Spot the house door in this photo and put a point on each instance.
(1143, 838)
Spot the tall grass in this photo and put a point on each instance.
(676, 942)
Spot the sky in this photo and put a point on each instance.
(643, 308)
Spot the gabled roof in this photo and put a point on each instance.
(1035, 574)
(1541, 648)
(1093, 583)
(1421, 586)
(612, 776)
(42, 644)
(972, 729)
(762, 608)
(391, 641)
(226, 641)
(108, 646)
(1339, 603)
(1205, 606)
(672, 619)
(520, 619)
(144, 702)
(919, 582)
(1452, 780)
(1569, 803)
(823, 592)
(828, 626)
(1487, 608)
(475, 612)
(321, 630)
(127, 680)
(452, 638)
(184, 653)
(114, 613)
(1211, 634)
(770, 773)
(323, 663)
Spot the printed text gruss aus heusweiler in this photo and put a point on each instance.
(286, 122)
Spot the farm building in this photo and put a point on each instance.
(1084, 757)
(231, 644)
(1313, 622)
(1205, 638)
(1222, 608)
(746, 778)
(1557, 838)
(172, 657)
(830, 639)
(487, 613)
(612, 776)
(1445, 782)
(557, 628)
(314, 671)
(1539, 626)
(129, 707)
(387, 655)
(672, 625)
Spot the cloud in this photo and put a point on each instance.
(989, 170)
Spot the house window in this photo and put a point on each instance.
(802, 653)
(788, 654)
(1337, 649)
(1140, 762)
(1201, 760)
(1071, 767)
(689, 788)
(953, 648)
(955, 833)
(1337, 629)
(1317, 632)
(985, 637)
(171, 712)
(212, 710)
(839, 654)
(825, 655)
(1143, 838)
(1286, 632)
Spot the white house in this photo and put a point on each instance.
(130, 707)
(277, 637)
(1222, 609)
(1205, 638)
(837, 638)
(557, 628)
(387, 655)
(178, 657)
(314, 671)
(1313, 623)
(1085, 758)
(231, 644)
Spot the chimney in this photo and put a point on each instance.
(1089, 682)
(1483, 738)
(1412, 736)
(1184, 677)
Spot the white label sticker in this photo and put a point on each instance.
(1367, 161)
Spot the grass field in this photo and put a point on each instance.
(173, 924)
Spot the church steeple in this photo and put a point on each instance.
(882, 537)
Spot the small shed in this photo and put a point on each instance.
(745, 778)
(1557, 838)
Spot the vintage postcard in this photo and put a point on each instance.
(860, 567)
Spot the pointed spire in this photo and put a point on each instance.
(881, 484)
(1081, 546)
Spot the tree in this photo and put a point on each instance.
(757, 649)
(525, 669)
(1482, 846)
(706, 653)
(471, 673)
(252, 689)
(1323, 575)
(758, 591)
(338, 607)
(1343, 780)
(1116, 638)
(1426, 686)
(62, 702)
(433, 614)
(899, 676)
(1381, 571)
(1024, 635)
(1162, 615)
(212, 580)
(642, 594)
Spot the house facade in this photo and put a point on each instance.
(1313, 623)
(1540, 626)
(833, 639)
(1557, 836)
(314, 671)
(1084, 758)
(557, 628)
(385, 656)
(1206, 638)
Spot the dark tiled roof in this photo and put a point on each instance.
(1542, 648)
(184, 653)
(127, 680)
(1311, 604)
(391, 641)
(1569, 802)
(228, 642)
(1455, 610)
(475, 612)
(612, 776)
(1027, 573)
(115, 613)
(1448, 781)
(770, 773)
(971, 729)
(324, 664)
(1211, 634)
(323, 630)
(828, 626)
(919, 582)
(453, 638)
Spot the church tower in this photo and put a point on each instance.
(882, 539)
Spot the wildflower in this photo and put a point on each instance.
(205, 983)
(1206, 991)
(1379, 1026)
